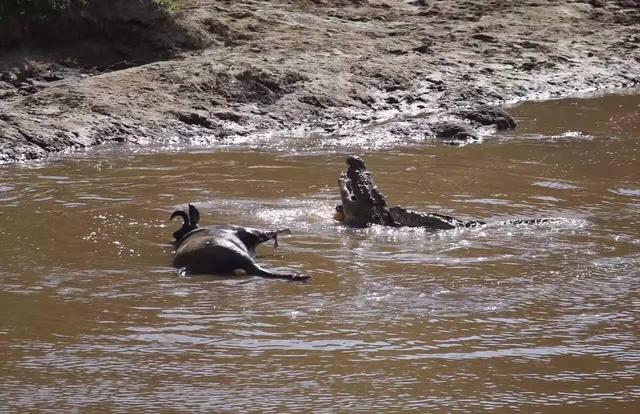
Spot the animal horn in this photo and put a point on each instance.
(180, 213)
(194, 215)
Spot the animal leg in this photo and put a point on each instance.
(258, 271)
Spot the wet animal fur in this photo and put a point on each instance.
(221, 249)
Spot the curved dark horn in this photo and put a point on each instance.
(194, 215)
(180, 213)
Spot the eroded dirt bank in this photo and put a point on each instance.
(334, 68)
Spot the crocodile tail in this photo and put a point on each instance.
(532, 222)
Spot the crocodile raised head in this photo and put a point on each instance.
(363, 205)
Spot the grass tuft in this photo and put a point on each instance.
(172, 6)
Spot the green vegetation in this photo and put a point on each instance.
(50, 22)
(170, 5)
(34, 9)
(42, 9)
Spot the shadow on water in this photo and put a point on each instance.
(527, 318)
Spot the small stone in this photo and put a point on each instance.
(193, 118)
(455, 131)
(422, 49)
(488, 115)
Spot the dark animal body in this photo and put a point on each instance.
(221, 249)
(363, 205)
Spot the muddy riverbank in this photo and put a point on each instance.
(334, 69)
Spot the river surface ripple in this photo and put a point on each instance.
(506, 318)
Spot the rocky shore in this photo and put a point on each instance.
(337, 69)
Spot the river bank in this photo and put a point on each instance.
(335, 69)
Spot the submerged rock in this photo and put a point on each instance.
(449, 130)
(488, 115)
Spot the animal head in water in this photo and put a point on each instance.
(190, 222)
(251, 238)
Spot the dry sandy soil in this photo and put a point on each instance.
(333, 68)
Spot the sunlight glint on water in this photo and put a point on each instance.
(531, 318)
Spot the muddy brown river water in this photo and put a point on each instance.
(501, 318)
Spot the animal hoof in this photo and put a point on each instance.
(298, 277)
